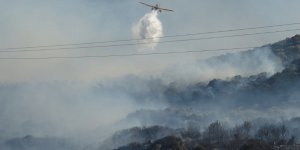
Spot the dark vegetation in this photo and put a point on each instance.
(216, 136)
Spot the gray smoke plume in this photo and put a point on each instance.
(226, 66)
(148, 29)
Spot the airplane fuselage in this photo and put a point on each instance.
(156, 7)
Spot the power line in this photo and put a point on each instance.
(168, 36)
(142, 43)
(125, 55)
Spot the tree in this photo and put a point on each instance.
(216, 133)
(242, 132)
(273, 134)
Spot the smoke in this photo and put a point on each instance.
(55, 112)
(226, 66)
(149, 29)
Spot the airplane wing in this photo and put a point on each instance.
(166, 9)
(146, 4)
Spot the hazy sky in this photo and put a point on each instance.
(44, 22)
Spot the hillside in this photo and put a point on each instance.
(253, 105)
(190, 105)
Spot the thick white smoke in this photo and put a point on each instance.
(149, 29)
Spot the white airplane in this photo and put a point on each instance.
(156, 7)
